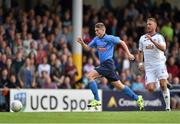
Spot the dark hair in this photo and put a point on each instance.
(100, 25)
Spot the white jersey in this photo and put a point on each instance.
(154, 58)
(152, 55)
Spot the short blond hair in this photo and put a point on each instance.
(100, 25)
(152, 19)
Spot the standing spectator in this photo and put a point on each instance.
(26, 75)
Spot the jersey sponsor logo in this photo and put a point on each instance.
(101, 49)
(150, 46)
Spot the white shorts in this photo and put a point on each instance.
(156, 73)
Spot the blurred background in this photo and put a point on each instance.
(36, 43)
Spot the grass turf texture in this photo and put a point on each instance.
(91, 117)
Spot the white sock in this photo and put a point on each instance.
(166, 96)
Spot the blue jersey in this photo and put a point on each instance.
(104, 46)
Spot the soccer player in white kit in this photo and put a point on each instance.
(152, 47)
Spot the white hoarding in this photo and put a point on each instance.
(47, 100)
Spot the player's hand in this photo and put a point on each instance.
(131, 57)
(80, 40)
(148, 37)
(141, 66)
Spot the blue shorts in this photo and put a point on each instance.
(107, 69)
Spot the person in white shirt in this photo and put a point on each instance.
(152, 47)
(44, 67)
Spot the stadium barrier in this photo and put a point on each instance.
(47, 100)
(3, 104)
(118, 101)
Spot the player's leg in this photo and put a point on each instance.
(151, 87)
(92, 75)
(150, 80)
(162, 76)
(118, 84)
(99, 71)
(165, 92)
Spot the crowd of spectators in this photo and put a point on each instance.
(36, 44)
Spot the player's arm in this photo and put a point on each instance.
(85, 46)
(156, 43)
(123, 44)
(141, 57)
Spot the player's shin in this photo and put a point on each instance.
(130, 93)
(166, 96)
(94, 89)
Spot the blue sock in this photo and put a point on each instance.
(94, 89)
(130, 93)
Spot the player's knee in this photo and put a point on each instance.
(118, 85)
(151, 87)
(163, 84)
(90, 77)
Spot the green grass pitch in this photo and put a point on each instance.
(91, 117)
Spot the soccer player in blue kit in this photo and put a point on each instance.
(105, 44)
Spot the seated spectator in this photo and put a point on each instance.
(175, 96)
(89, 65)
(48, 84)
(41, 79)
(41, 53)
(17, 63)
(172, 67)
(4, 78)
(103, 84)
(71, 70)
(137, 85)
(56, 72)
(44, 67)
(65, 84)
(12, 83)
